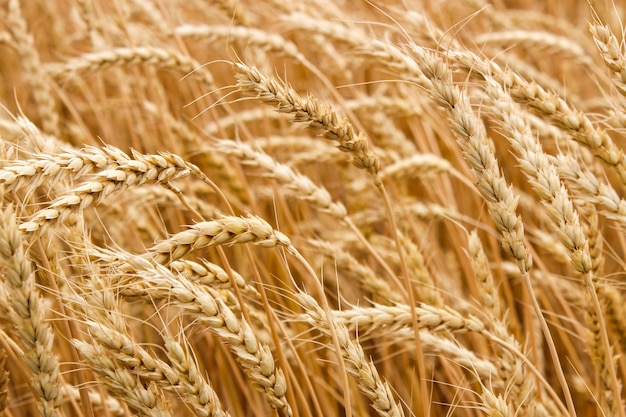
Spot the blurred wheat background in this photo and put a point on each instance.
(317, 208)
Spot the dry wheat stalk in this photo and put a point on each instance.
(543, 176)
(502, 204)
(477, 150)
(149, 322)
(367, 278)
(106, 325)
(443, 346)
(421, 210)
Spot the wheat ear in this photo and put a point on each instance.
(107, 326)
(228, 230)
(298, 185)
(160, 58)
(36, 334)
(548, 104)
(33, 68)
(435, 319)
(311, 111)
(477, 152)
(128, 172)
(208, 308)
(46, 168)
(589, 187)
(364, 371)
(612, 54)
(145, 399)
(544, 179)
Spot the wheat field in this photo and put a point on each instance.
(318, 208)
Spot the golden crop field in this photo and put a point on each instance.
(318, 208)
